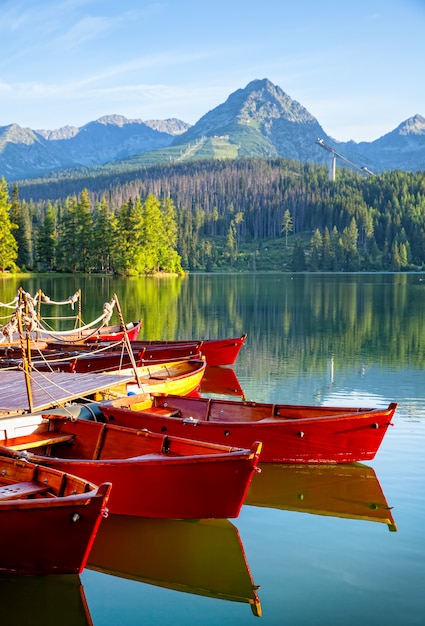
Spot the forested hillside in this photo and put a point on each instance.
(241, 214)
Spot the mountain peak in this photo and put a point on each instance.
(413, 126)
(265, 100)
(116, 120)
(260, 119)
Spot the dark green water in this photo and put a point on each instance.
(312, 339)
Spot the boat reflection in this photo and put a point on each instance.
(203, 557)
(221, 381)
(47, 600)
(348, 490)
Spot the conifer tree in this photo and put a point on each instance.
(68, 245)
(287, 225)
(19, 215)
(46, 241)
(86, 250)
(169, 259)
(128, 238)
(154, 235)
(8, 244)
(104, 227)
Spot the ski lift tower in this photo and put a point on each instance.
(332, 168)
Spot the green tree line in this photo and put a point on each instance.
(225, 214)
(76, 236)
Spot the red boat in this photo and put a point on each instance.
(90, 358)
(289, 433)
(215, 351)
(48, 518)
(113, 333)
(112, 361)
(43, 338)
(153, 475)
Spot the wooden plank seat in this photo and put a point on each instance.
(38, 440)
(21, 490)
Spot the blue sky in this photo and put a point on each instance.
(358, 67)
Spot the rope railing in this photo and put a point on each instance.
(32, 324)
(71, 300)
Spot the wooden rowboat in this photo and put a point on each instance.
(102, 333)
(55, 389)
(84, 358)
(40, 339)
(289, 433)
(113, 333)
(152, 475)
(201, 557)
(216, 352)
(345, 490)
(176, 377)
(48, 518)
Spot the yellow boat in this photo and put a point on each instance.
(176, 377)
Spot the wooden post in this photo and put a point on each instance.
(39, 297)
(79, 314)
(127, 340)
(25, 364)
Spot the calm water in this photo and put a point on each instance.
(318, 546)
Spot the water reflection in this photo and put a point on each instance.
(347, 490)
(221, 381)
(311, 339)
(47, 600)
(203, 557)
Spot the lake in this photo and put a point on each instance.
(325, 546)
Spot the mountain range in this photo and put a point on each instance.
(260, 120)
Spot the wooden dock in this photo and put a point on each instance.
(51, 389)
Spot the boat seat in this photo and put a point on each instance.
(21, 490)
(37, 440)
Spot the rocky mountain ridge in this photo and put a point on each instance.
(259, 120)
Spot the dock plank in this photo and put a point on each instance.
(51, 389)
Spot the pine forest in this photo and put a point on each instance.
(215, 215)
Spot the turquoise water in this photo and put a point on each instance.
(312, 339)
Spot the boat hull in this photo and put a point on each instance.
(203, 488)
(152, 475)
(215, 351)
(177, 377)
(47, 536)
(114, 333)
(289, 433)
